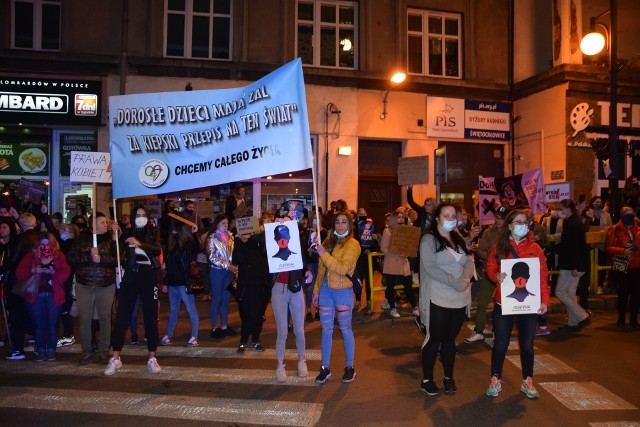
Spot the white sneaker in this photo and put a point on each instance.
(66, 341)
(385, 305)
(152, 366)
(281, 374)
(303, 372)
(416, 312)
(113, 366)
(474, 337)
(394, 313)
(415, 278)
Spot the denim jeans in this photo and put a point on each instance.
(44, 316)
(502, 327)
(219, 279)
(340, 301)
(177, 294)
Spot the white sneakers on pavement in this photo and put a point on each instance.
(474, 337)
(394, 313)
(281, 374)
(303, 372)
(152, 366)
(113, 366)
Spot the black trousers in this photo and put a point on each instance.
(444, 326)
(252, 305)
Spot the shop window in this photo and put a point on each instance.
(434, 44)
(326, 33)
(198, 29)
(35, 24)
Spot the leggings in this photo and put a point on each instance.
(283, 301)
(444, 326)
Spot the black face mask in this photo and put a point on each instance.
(189, 211)
(628, 219)
(362, 218)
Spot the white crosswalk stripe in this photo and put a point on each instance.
(237, 411)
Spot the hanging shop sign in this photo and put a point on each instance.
(24, 160)
(50, 101)
(471, 119)
(588, 115)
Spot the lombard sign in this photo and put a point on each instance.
(35, 100)
(459, 118)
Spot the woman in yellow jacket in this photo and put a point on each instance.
(332, 292)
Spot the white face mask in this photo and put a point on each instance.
(449, 225)
(520, 230)
(141, 221)
(345, 234)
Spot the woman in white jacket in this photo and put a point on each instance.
(445, 272)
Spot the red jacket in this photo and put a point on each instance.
(62, 272)
(527, 248)
(618, 236)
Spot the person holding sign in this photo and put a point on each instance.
(236, 203)
(332, 292)
(515, 241)
(622, 243)
(396, 269)
(142, 248)
(446, 269)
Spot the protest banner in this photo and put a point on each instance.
(554, 193)
(173, 141)
(246, 225)
(520, 290)
(30, 191)
(87, 166)
(405, 240)
(521, 191)
(413, 170)
(283, 246)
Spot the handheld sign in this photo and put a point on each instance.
(520, 290)
(413, 170)
(246, 225)
(283, 246)
(30, 191)
(405, 240)
(87, 166)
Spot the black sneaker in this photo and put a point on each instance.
(229, 332)
(349, 374)
(217, 334)
(430, 388)
(449, 386)
(257, 347)
(134, 339)
(324, 375)
(16, 355)
(241, 349)
(585, 322)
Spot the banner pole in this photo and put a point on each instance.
(115, 218)
(315, 197)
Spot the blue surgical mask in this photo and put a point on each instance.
(520, 230)
(449, 225)
(222, 229)
(64, 236)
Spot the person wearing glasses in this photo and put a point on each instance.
(515, 241)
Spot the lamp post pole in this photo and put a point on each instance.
(614, 199)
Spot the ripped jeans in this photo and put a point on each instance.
(336, 302)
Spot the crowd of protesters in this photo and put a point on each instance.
(52, 270)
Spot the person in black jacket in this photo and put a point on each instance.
(425, 212)
(95, 269)
(253, 287)
(142, 247)
(573, 262)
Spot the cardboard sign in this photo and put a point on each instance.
(413, 170)
(520, 290)
(286, 255)
(241, 210)
(90, 167)
(205, 209)
(30, 191)
(405, 240)
(181, 219)
(246, 225)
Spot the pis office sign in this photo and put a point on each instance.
(45, 101)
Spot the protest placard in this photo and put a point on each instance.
(87, 166)
(283, 246)
(246, 225)
(405, 240)
(30, 191)
(520, 290)
(413, 170)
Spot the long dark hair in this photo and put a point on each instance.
(181, 240)
(217, 220)
(442, 242)
(569, 204)
(332, 240)
(503, 247)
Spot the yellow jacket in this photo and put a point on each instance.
(336, 265)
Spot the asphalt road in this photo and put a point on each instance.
(584, 379)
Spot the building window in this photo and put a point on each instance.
(434, 44)
(35, 24)
(327, 33)
(198, 29)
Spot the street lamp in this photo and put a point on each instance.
(396, 79)
(592, 44)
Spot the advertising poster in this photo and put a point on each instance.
(520, 290)
(173, 141)
(283, 246)
(24, 159)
